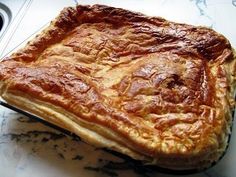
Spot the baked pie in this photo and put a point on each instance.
(158, 91)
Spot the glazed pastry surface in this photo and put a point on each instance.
(158, 91)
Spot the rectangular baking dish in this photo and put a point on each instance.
(134, 163)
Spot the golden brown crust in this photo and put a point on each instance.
(165, 89)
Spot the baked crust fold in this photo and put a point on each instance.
(158, 91)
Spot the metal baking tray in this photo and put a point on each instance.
(137, 165)
(132, 163)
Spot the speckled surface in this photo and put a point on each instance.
(29, 148)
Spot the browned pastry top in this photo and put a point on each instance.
(156, 83)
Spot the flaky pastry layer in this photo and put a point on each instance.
(158, 91)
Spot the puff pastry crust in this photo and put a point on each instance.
(158, 91)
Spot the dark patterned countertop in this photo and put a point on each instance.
(29, 148)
